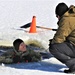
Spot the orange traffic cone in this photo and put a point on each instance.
(33, 25)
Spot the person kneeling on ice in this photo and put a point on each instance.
(20, 54)
(62, 46)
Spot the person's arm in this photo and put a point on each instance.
(64, 30)
(36, 56)
(6, 60)
(6, 57)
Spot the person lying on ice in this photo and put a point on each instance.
(62, 46)
(20, 54)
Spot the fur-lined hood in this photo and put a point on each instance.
(70, 12)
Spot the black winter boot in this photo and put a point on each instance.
(69, 71)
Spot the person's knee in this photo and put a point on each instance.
(52, 48)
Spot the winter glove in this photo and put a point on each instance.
(50, 42)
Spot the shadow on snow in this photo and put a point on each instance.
(44, 66)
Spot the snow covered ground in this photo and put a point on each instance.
(46, 67)
(15, 13)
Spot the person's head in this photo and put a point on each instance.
(19, 45)
(60, 9)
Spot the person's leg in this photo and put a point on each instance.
(64, 53)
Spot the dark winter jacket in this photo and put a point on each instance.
(28, 56)
(17, 57)
(66, 27)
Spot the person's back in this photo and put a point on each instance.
(66, 27)
(69, 17)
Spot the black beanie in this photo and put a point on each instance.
(16, 44)
(61, 8)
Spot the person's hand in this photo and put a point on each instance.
(50, 42)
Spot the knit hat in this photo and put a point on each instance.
(16, 44)
(61, 8)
